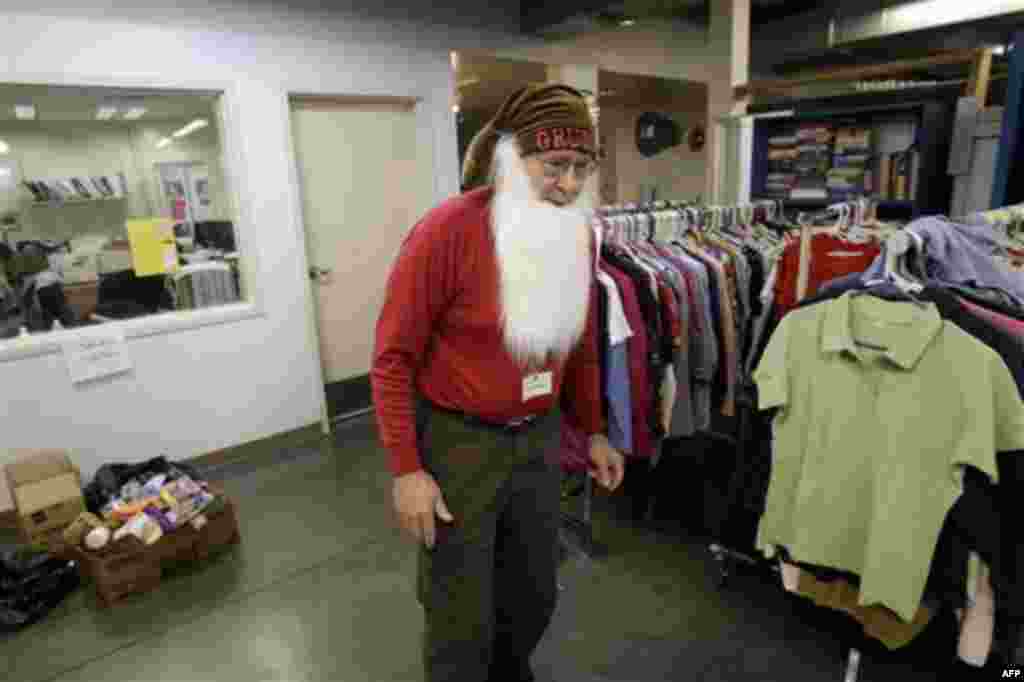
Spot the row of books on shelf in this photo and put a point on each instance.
(897, 175)
(893, 178)
(81, 188)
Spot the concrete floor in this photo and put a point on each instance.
(321, 588)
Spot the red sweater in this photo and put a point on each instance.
(439, 334)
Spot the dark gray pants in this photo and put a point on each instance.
(489, 586)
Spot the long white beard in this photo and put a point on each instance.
(544, 259)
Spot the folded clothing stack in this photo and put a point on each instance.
(814, 159)
(851, 174)
(782, 158)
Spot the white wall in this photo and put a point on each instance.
(676, 173)
(212, 387)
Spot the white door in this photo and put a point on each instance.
(366, 178)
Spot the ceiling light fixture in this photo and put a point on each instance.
(106, 113)
(134, 113)
(164, 142)
(456, 108)
(25, 112)
(626, 23)
(4, 147)
(195, 125)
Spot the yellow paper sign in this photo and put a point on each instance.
(154, 249)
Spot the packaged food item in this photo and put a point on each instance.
(160, 517)
(143, 527)
(185, 508)
(154, 485)
(125, 511)
(80, 527)
(183, 488)
(97, 538)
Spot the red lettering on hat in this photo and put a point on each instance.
(559, 135)
(543, 140)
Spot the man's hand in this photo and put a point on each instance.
(609, 467)
(417, 500)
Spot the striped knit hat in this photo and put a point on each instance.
(543, 118)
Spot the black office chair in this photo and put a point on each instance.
(42, 306)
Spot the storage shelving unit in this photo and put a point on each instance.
(932, 114)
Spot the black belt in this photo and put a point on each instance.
(513, 427)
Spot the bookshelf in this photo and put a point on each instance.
(67, 202)
(893, 148)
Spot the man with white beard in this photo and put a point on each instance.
(486, 341)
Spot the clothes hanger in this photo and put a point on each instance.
(691, 223)
(896, 248)
(840, 225)
(918, 257)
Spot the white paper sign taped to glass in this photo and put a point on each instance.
(96, 355)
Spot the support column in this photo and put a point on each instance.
(729, 49)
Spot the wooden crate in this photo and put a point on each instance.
(130, 567)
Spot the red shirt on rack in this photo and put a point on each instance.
(439, 334)
(831, 257)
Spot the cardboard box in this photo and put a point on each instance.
(47, 491)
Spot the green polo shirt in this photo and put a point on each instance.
(881, 404)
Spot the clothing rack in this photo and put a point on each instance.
(898, 270)
(698, 218)
(1000, 216)
(728, 559)
(853, 211)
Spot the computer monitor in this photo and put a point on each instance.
(216, 234)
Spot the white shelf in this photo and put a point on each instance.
(58, 204)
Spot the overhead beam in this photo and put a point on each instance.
(536, 15)
(855, 73)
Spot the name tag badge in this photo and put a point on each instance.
(537, 385)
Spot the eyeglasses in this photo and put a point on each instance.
(554, 170)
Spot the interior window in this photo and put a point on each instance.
(114, 204)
